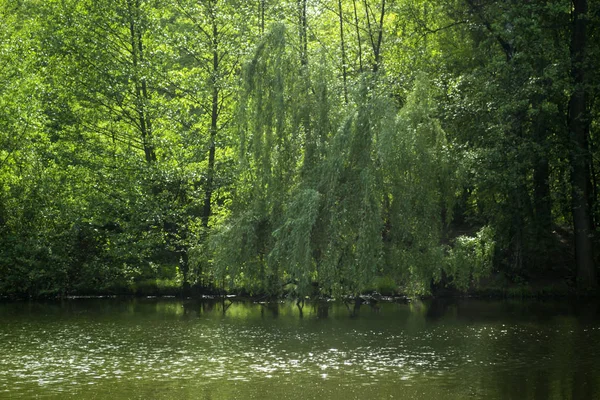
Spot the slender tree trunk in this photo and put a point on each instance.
(360, 63)
(379, 38)
(343, 45)
(305, 118)
(207, 210)
(370, 29)
(141, 89)
(148, 147)
(303, 32)
(578, 130)
(541, 194)
(541, 176)
(214, 119)
(594, 186)
(375, 42)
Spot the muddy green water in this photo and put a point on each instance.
(172, 349)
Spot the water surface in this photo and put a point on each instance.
(173, 349)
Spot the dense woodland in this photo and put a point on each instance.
(298, 147)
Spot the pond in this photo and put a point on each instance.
(180, 349)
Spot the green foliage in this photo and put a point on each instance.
(421, 181)
(146, 145)
(471, 258)
(292, 247)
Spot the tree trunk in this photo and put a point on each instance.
(303, 32)
(214, 118)
(541, 194)
(379, 38)
(578, 130)
(594, 205)
(375, 42)
(141, 89)
(541, 178)
(360, 63)
(343, 45)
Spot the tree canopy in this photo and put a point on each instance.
(297, 147)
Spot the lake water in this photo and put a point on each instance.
(173, 349)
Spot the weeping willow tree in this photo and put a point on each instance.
(324, 210)
(421, 178)
(389, 184)
(351, 249)
(274, 128)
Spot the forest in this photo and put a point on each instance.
(298, 147)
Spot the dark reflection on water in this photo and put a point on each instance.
(171, 349)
